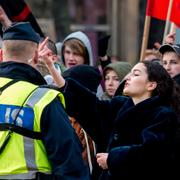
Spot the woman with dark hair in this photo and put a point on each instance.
(135, 133)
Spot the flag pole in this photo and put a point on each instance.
(167, 20)
(145, 37)
(173, 28)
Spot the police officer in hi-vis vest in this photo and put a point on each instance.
(37, 140)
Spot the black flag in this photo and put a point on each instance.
(18, 10)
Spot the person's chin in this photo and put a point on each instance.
(125, 91)
(71, 65)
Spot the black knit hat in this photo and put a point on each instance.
(88, 76)
(21, 31)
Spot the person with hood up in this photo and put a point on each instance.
(90, 77)
(76, 49)
(114, 73)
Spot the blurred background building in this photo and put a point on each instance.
(122, 19)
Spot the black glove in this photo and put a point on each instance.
(103, 45)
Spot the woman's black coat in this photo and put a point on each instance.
(138, 138)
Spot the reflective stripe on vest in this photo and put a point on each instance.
(36, 96)
(31, 150)
(40, 92)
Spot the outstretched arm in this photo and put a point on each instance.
(5, 21)
(46, 56)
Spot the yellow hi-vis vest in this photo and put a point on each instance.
(23, 156)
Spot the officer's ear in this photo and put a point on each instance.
(35, 58)
(1, 55)
(34, 61)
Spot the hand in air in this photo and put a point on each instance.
(4, 19)
(45, 54)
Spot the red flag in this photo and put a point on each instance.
(159, 9)
(23, 14)
(175, 13)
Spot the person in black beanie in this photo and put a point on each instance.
(88, 76)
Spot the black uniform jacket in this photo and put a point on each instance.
(62, 144)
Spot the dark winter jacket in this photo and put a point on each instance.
(177, 78)
(139, 138)
(60, 140)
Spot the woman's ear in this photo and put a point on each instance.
(151, 86)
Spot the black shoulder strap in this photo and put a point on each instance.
(13, 127)
(20, 130)
(7, 85)
(50, 86)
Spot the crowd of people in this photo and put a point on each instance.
(64, 118)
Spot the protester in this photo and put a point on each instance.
(89, 77)
(136, 132)
(79, 68)
(152, 55)
(171, 60)
(104, 58)
(76, 49)
(114, 73)
(37, 139)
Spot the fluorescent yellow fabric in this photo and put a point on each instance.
(17, 155)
